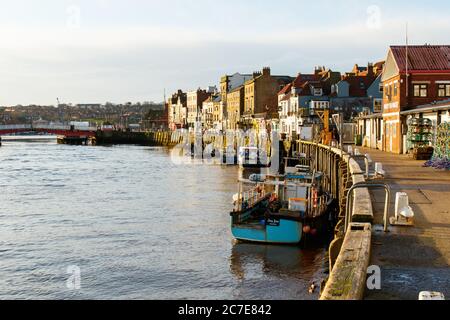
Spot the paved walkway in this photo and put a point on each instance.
(412, 259)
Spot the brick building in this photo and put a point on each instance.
(413, 76)
(261, 99)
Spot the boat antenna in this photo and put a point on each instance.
(407, 63)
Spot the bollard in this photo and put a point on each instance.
(379, 169)
(404, 214)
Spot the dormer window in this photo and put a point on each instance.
(317, 92)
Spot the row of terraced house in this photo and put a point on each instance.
(279, 102)
(379, 97)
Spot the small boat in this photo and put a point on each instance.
(280, 209)
(72, 140)
(252, 157)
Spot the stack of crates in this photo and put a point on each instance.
(419, 138)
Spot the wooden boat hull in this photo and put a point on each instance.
(272, 231)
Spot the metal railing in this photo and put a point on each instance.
(364, 185)
(325, 160)
(250, 198)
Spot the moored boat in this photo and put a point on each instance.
(280, 208)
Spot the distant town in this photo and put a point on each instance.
(96, 114)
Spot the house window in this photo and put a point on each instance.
(317, 92)
(420, 90)
(377, 105)
(389, 93)
(444, 90)
(395, 89)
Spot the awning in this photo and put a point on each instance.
(426, 109)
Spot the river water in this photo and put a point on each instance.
(125, 222)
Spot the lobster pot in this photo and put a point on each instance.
(420, 138)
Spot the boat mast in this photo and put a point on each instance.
(407, 65)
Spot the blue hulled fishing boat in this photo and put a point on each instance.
(280, 208)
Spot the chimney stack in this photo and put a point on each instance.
(266, 71)
(370, 69)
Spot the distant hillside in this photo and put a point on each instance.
(97, 113)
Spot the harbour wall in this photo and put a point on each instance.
(149, 138)
(349, 252)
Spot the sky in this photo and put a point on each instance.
(96, 51)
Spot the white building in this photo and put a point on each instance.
(195, 101)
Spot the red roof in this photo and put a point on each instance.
(302, 78)
(422, 58)
(286, 89)
(300, 82)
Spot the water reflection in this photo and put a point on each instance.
(139, 226)
(281, 261)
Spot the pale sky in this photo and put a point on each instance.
(93, 51)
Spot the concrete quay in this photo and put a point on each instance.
(412, 259)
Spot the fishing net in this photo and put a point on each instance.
(441, 156)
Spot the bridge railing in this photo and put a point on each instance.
(46, 127)
(63, 127)
(15, 127)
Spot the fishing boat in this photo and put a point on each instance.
(72, 140)
(281, 208)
